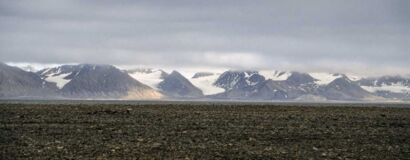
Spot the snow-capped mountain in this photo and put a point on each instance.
(230, 80)
(302, 86)
(96, 81)
(106, 81)
(60, 75)
(153, 77)
(252, 85)
(238, 84)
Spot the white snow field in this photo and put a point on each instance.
(205, 83)
(152, 78)
(324, 78)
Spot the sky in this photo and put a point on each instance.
(359, 36)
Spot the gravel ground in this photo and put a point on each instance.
(202, 131)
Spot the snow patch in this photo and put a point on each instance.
(353, 77)
(247, 76)
(324, 78)
(275, 75)
(58, 79)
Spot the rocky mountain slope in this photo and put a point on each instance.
(177, 86)
(17, 83)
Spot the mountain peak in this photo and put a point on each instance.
(344, 88)
(176, 85)
(298, 78)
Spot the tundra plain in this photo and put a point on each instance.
(84, 130)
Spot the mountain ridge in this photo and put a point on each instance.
(107, 81)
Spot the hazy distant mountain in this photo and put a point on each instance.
(15, 83)
(393, 87)
(176, 85)
(30, 67)
(385, 81)
(344, 89)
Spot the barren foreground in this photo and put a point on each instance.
(200, 131)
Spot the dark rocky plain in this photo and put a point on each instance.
(204, 131)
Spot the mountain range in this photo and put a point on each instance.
(91, 81)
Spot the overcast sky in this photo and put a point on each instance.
(364, 36)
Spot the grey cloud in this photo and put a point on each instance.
(316, 35)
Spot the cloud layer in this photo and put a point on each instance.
(338, 36)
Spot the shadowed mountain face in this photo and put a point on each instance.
(94, 81)
(238, 84)
(284, 90)
(100, 80)
(15, 82)
(343, 88)
(176, 85)
(231, 80)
